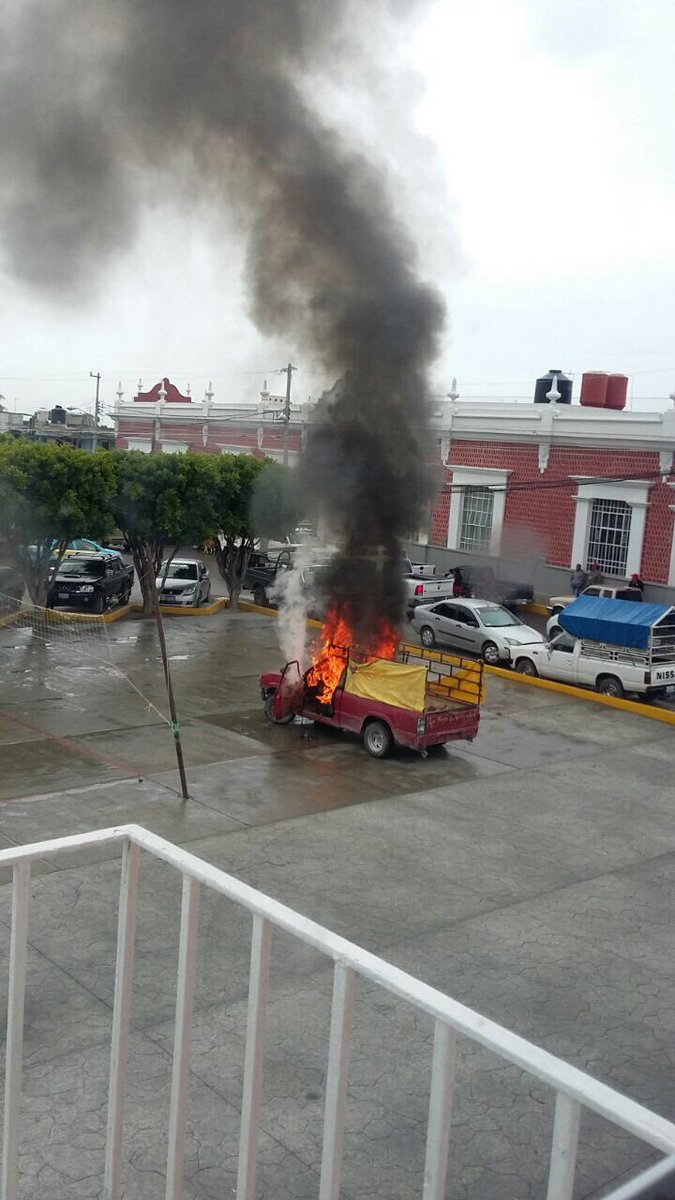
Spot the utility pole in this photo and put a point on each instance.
(288, 372)
(97, 376)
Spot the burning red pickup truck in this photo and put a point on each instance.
(419, 699)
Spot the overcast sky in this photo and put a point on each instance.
(541, 193)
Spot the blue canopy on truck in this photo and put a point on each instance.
(619, 622)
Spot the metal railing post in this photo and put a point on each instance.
(18, 955)
(440, 1111)
(344, 982)
(258, 991)
(187, 964)
(119, 1047)
(563, 1148)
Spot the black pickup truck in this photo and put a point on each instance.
(90, 581)
(482, 582)
(262, 570)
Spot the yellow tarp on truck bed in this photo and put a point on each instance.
(401, 684)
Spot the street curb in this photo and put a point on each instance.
(640, 710)
(180, 610)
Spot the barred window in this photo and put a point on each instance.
(609, 536)
(476, 523)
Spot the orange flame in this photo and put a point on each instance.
(338, 643)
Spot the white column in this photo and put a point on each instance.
(582, 527)
(671, 575)
(638, 520)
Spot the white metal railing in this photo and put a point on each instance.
(574, 1089)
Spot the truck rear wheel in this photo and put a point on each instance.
(609, 685)
(377, 739)
(525, 666)
(427, 637)
(260, 596)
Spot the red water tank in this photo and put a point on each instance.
(594, 389)
(617, 390)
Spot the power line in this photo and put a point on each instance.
(550, 484)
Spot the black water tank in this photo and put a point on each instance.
(543, 386)
(58, 415)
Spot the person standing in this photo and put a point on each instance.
(579, 580)
(636, 582)
(596, 574)
(459, 587)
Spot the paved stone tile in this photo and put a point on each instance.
(502, 1119)
(60, 1014)
(74, 924)
(630, 911)
(264, 789)
(64, 1145)
(48, 767)
(591, 723)
(503, 696)
(11, 732)
(505, 740)
(41, 866)
(151, 748)
(65, 718)
(127, 802)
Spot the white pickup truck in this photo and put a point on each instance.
(614, 646)
(422, 586)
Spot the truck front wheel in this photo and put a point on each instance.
(260, 597)
(271, 715)
(525, 666)
(377, 739)
(609, 685)
(99, 603)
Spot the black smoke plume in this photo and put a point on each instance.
(212, 99)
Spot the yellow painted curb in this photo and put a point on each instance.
(579, 693)
(182, 610)
(11, 618)
(246, 606)
(540, 610)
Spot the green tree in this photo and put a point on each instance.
(276, 508)
(255, 499)
(50, 494)
(162, 500)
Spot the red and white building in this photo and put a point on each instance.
(560, 483)
(168, 421)
(565, 483)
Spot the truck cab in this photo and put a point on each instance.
(614, 646)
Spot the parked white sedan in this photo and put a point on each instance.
(476, 625)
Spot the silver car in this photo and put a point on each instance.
(187, 582)
(480, 626)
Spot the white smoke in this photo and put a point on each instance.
(297, 599)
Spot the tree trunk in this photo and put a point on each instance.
(233, 561)
(144, 565)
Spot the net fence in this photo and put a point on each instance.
(83, 648)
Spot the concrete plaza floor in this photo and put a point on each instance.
(529, 875)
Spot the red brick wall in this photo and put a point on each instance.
(541, 519)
